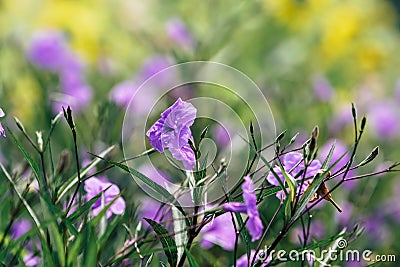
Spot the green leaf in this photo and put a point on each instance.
(75, 248)
(84, 208)
(191, 260)
(57, 213)
(291, 183)
(102, 242)
(181, 237)
(308, 194)
(46, 251)
(31, 162)
(265, 161)
(153, 185)
(288, 210)
(318, 179)
(55, 236)
(74, 179)
(167, 242)
(269, 192)
(90, 249)
(327, 160)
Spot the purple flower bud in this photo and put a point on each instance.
(94, 186)
(172, 132)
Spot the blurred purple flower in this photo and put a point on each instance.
(154, 174)
(384, 118)
(152, 66)
(221, 135)
(322, 88)
(293, 163)
(48, 50)
(123, 92)
(317, 230)
(71, 73)
(340, 149)
(20, 227)
(343, 218)
(243, 262)
(150, 208)
(30, 259)
(340, 120)
(376, 228)
(178, 33)
(220, 231)
(73, 83)
(2, 131)
(172, 132)
(254, 224)
(77, 97)
(94, 186)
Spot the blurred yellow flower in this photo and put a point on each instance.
(84, 20)
(25, 97)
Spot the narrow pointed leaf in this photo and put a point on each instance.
(166, 240)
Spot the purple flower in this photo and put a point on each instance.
(219, 231)
(384, 117)
(2, 131)
(178, 33)
(340, 149)
(293, 163)
(48, 50)
(172, 132)
(94, 186)
(322, 88)
(254, 224)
